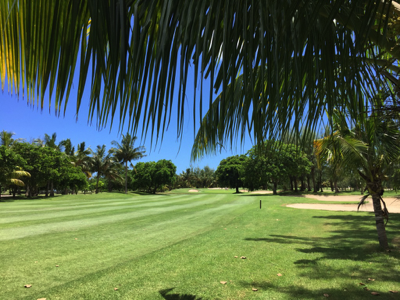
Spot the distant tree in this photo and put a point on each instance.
(67, 148)
(126, 152)
(82, 159)
(230, 171)
(7, 140)
(274, 163)
(44, 164)
(152, 176)
(50, 141)
(101, 161)
(10, 168)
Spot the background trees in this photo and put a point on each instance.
(126, 152)
(230, 171)
(10, 168)
(275, 163)
(152, 176)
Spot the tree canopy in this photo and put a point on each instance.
(230, 171)
(274, 163)
(152, 176)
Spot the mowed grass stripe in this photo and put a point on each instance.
(112, 249)
(77, 210)
(15, 207)
(25, 231)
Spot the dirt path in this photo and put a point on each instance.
(393, 204)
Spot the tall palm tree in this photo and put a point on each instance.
(101, 161)
(291, 55)
(368, 147)
(7, 140)
(82, 159)
(66, 147)
(126, 152)
(50, 141)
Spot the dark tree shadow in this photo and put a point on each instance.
(358, 243)
(296, 292)
(164, 293)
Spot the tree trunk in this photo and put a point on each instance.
(47, 189)
(308, 184)
(336, 188)
(379, 220)
(237, 190)
(97, 183)
(331, 182)
(295, 184)
(291, 183)
(126, 177)
(0, 190)
(51, 189)
(274, 188)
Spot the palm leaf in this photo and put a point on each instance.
(133, 52)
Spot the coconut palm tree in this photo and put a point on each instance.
(66, 147)
(369, 147)
(126, 152)
(290, 54)
(82, 159)
(101, 161)
(14, 179)
(7, 140)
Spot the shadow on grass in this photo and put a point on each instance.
(297, 292)
(18, 198)
(351, 238)
(164, 293)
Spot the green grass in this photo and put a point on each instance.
(180, 245)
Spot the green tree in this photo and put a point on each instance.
(44, 164)
(10, 168)
(7, 140)
(126, 152)
(368, 147)
(82, 159)
(230, 171)
(152, 176)
(101, 162)
(274, 163)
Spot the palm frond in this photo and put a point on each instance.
(135, 51)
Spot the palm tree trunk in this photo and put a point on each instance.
(97, 183)
(126, 177)
(379, 220)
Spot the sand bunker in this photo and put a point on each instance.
(392, 204)
(261, 192)
(193, 191)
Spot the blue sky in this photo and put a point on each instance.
(30, 122)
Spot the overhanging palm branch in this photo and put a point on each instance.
(135, 51)
(15, 175)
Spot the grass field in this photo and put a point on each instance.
(181, 246)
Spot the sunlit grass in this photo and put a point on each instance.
(181, 245)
